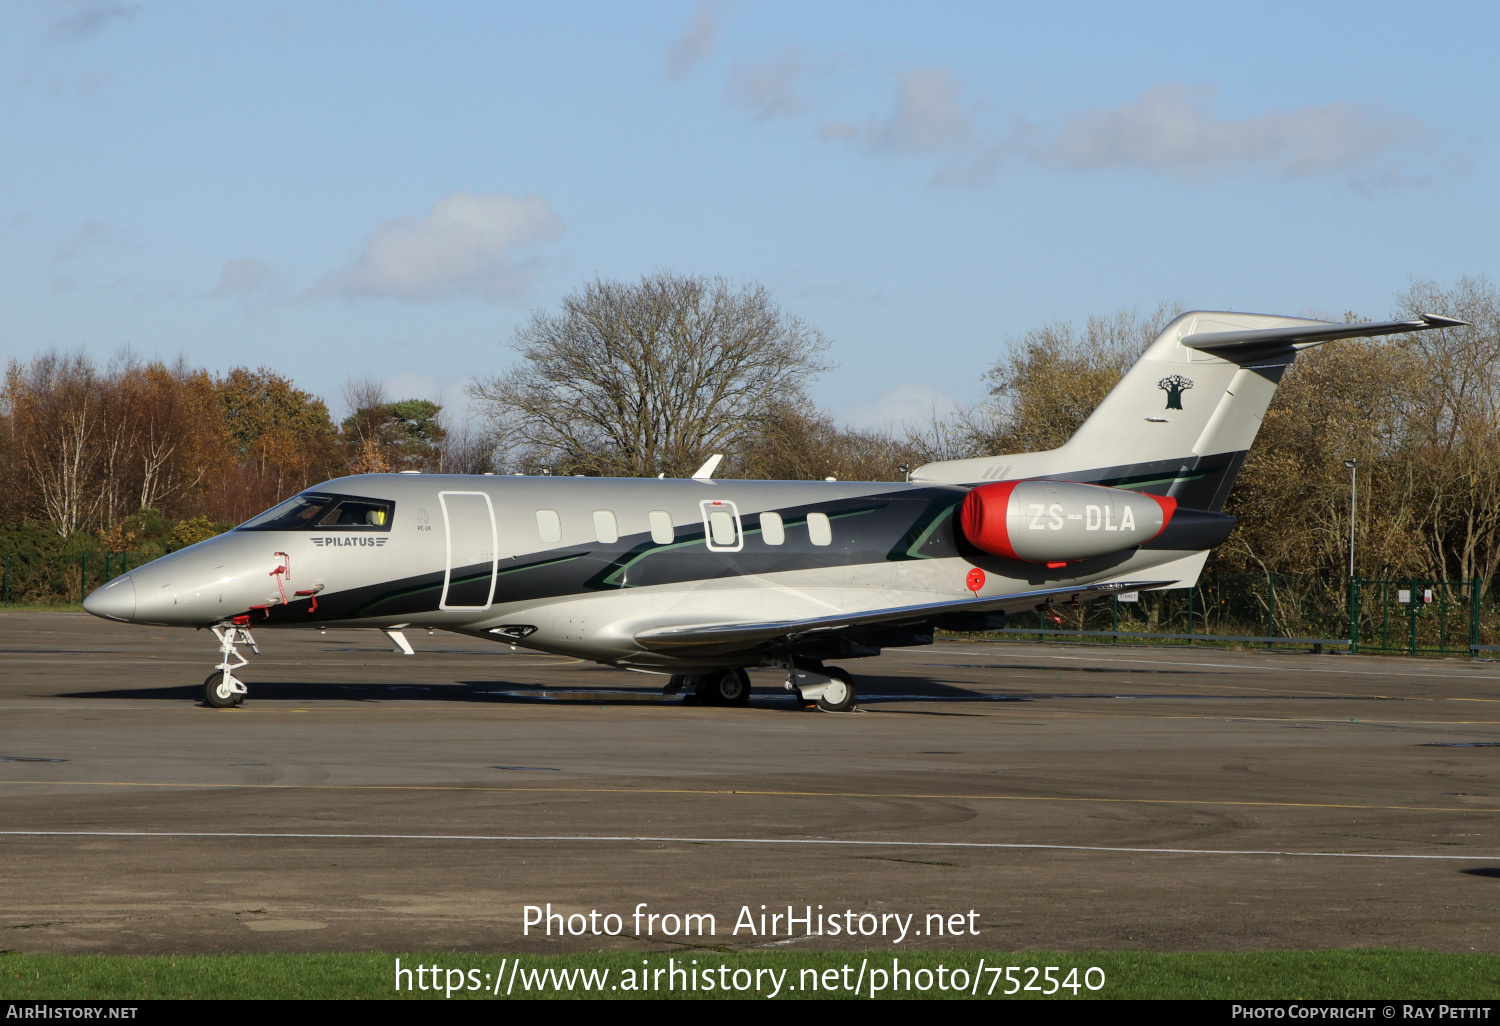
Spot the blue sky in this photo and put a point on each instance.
(386, 189)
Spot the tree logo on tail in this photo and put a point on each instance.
(1174, 385)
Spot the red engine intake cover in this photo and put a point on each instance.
(1060, 521)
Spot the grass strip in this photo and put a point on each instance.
(1297, 975)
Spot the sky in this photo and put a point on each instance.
(387, 190)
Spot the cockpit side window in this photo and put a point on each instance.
(321, 512)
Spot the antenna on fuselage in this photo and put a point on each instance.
(706, 471)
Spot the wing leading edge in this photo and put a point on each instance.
(661, 638)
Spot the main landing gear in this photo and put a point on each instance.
(720, 687)
(222, 690)
(828, 687)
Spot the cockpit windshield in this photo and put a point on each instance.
(318, 512)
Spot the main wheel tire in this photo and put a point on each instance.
(217, 693)
(740, 687)
(727, 687)
(839, 695)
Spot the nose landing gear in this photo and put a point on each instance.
(829, 686)
(222, 690)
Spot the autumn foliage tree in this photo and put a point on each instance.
(92, 448)
(1048, 380)
(280, 440)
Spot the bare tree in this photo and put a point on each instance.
(466, 448)
(792, 444)
(364, 398)
(56, 413)
(1454, 429)
(958, 433)
(1051, 378)
(651, 377)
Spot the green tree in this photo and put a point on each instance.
(381, 436)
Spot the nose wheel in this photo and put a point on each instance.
(222, 690)
(838, 696)
(829, 687)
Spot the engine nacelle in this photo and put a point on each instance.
(1058, 522)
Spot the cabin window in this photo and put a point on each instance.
(548, 526)
(721, 526)
(661, 527)
(605, 527)
(819, 531)
(772, 530)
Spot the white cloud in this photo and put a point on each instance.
(90, 235)
(1171, 129)
(89, 18)
(929, 117)
(770, 88)
(697, 40)
(904, 404)
(464, 247)
(1174, 129)
(243, 278)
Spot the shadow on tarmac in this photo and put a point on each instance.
(870, 690)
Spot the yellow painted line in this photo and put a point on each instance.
(737, 791)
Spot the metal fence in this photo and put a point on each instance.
(1407, 615)
(31, 579)
(1413, 616)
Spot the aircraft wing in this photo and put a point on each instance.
(1312, 334)
(661, 638)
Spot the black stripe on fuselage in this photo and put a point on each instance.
(910, 524)
(1200, 482)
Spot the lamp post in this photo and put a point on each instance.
(1353, 473)
(1353, 466)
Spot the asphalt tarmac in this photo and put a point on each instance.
(1068, 796)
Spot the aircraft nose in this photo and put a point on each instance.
(114, 601)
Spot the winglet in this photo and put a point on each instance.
(710, 465)
(1434, 321)
(1311, 334)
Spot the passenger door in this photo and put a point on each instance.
(472, 546)
(721, 526)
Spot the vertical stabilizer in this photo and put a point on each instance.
(1183, 417)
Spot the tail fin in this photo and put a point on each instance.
(1182, 419)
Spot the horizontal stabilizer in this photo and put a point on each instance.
(1312, 334)
(741, 633)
